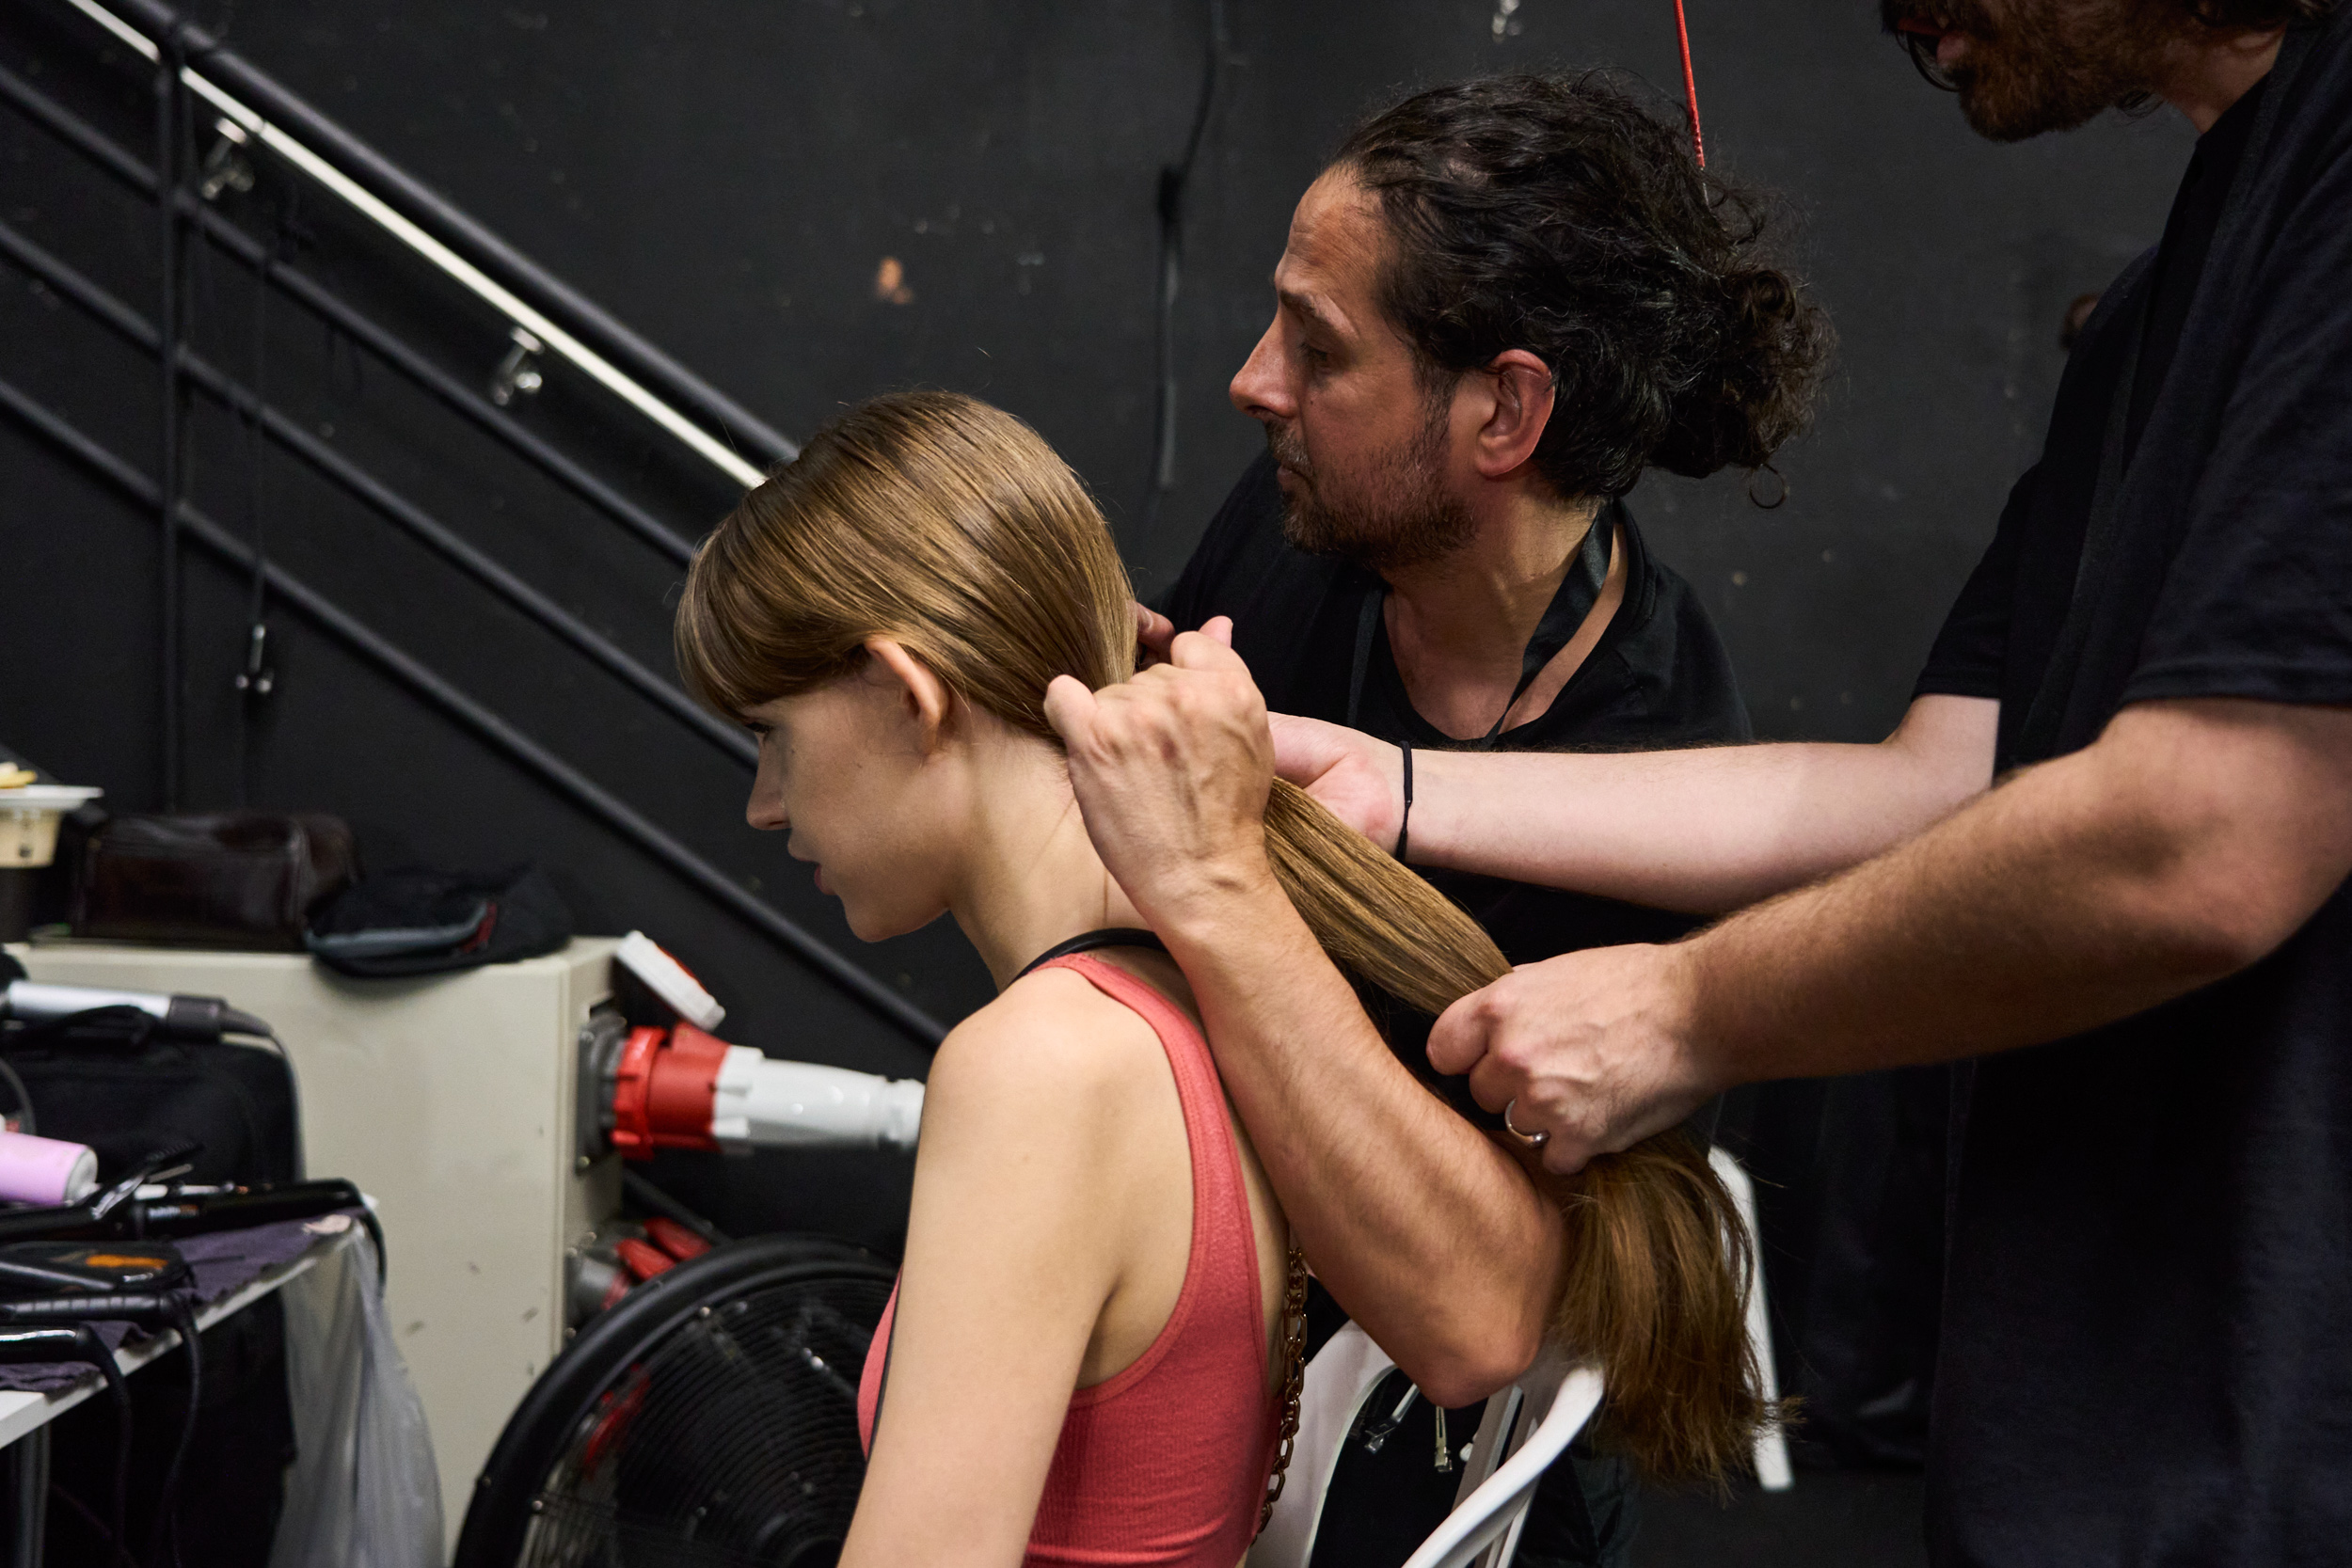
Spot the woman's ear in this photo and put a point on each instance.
(928, 702)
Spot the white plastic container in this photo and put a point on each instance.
(29, 815)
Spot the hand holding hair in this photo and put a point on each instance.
(1171, 770)
(1352, 775)
(1593, 1048)
(956, 541)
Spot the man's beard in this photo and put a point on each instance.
(2046, 65)
(1401, 516)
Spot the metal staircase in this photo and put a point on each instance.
(258, 130)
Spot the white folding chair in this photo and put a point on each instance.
(1341, 1377)
(1773, 1470)
(1524, 1428)
(1492, 1502)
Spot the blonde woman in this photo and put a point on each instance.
(1085, 1361)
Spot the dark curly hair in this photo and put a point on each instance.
(1557, 214)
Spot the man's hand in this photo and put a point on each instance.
(1155, 631)
(2190, 840)
(1591, 1048)
(1359, 778)
(1171, 770)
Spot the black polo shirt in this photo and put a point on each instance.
(2147, 1333)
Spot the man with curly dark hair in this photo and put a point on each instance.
(2137, 950)
(1500, 304)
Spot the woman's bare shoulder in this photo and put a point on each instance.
(1050, 1046)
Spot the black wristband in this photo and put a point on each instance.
(1405, 822)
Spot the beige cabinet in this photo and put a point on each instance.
(451, 1100)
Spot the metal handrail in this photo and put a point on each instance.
(175, 514)
(909, 1018)
(135, 175)
(135, 329)
(158, 24)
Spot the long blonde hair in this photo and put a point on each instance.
(951, 526)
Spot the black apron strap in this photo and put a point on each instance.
(1367, 623)
(1579, 590)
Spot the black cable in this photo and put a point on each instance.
(118, 1390)
(1174, 178)
(185, 1320)
(374, 1228)
(89, 1515)
(77, 1341)
(662, 1203)
(148, 1310)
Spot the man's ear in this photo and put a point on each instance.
(927, 701)
(1520, 414)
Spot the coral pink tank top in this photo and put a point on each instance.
(1164, 1464)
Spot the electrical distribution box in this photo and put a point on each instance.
(451, 1099)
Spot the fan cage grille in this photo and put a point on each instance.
(731, 1441)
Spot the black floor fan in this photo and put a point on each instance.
(709, 1419)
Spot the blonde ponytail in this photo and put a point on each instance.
(952, 527)
(1655, 1277)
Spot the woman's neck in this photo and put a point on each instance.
(1030, 876)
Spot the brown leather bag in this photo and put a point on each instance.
(228, 880)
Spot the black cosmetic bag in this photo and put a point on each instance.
(228, 879)
(102, 1080)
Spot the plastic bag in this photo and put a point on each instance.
(363, 1492)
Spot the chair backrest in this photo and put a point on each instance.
(1341, 1377)
(1527, 1427)
(1524, 1428)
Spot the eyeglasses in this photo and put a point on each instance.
(1920, 43)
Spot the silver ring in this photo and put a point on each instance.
(1534, 1140)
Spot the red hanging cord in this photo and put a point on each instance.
(1690, 85)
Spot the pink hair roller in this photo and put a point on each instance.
(45, 1170)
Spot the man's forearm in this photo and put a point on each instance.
(1427, 1233)
(1431, 1237)
(2184, 845)
(1703, 830)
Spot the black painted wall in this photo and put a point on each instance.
(728, 176)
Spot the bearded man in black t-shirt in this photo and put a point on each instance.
(2137, 949)
(1502, 303)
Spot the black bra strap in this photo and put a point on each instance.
(1085, 941)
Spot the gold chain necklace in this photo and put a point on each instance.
(1294, 1380)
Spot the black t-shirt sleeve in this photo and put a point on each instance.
(2258, 601)
(1971, 650)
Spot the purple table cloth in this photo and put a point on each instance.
(223, 1262)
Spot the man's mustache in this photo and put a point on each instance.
(1288, 450)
